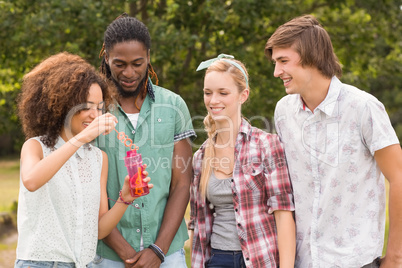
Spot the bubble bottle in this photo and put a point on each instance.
(133, 162)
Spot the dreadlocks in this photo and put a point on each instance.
(124, 29)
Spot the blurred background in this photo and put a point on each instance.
(366, 35)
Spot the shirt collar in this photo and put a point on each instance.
(150, 89)
(327, 106)
(300, 104)
(80, 152)
(245, 128)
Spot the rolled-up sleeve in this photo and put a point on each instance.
(279, 184)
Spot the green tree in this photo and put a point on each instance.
(365, 34)
(34, 30)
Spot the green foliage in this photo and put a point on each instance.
(34, 30)
(365, 34)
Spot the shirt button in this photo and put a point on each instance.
(133, 131)
(159, 120)
(136, 205)
(138, 230)
(214, 214)
(211, 206)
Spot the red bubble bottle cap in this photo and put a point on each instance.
(132, 153)
(133, 157)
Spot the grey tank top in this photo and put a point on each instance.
(224, 233)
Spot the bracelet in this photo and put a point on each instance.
(131, 204)
(122, 200)
(158, 252)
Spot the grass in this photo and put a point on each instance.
(9, 186)
(9, 182)
(187, 244)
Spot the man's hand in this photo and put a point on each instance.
(145, 258)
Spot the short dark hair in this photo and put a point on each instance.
(310, 40)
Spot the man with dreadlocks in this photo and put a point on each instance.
(153, 231)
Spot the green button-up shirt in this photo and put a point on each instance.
(164, 118)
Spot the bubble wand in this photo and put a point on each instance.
(133, 162)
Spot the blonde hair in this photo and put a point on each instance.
(240, 80)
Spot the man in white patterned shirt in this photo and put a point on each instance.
(338, 142)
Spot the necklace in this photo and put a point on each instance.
(223, 156)
(220, 170)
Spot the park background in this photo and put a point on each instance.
(366, 34)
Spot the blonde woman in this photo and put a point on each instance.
(241, 196)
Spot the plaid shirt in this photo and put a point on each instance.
(260, 185)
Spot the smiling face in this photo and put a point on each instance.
(297, 79)
(128, 62)
(222, 98)
(92, 108)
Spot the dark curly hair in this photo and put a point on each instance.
(51, 90)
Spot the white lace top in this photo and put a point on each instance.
(59, 221)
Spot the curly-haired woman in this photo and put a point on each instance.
(63, 208)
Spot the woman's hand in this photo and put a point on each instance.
(102, 124)
(125, 191)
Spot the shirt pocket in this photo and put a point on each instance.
(163, 128)
(253, 174)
